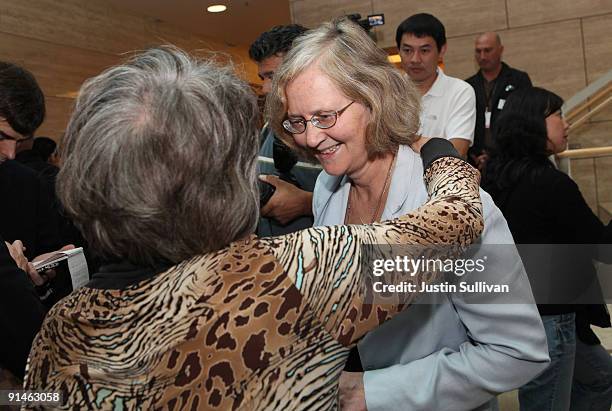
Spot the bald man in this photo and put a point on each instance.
(492, 84)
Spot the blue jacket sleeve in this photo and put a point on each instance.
(505, 345)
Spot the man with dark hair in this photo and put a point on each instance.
(270, 48)
(22, 104)
(492, 83)
(35, 155)
(448, 104)
(26, 211)
(25, 214)
(290, 207)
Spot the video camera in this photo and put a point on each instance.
(369, 22)
(284, 160)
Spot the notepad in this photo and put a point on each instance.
(77, 265)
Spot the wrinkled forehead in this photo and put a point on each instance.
(312, 87)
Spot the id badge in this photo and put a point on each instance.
(500, 104)
(487, 119)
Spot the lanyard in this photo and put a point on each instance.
(489, 94)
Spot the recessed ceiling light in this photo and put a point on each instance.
(394, 58)
(216, 8)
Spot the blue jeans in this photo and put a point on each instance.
(592, 388)
(552, 389)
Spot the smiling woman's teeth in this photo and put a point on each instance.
(330, 150)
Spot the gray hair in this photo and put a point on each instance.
(345, 53)
(160, 159)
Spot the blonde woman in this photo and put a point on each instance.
(337, 98)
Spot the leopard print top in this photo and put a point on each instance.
(264, 324)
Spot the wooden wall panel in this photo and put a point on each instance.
(58, 113)
(459, 17)
(545, 52)
(65, 42)
(596, 178)
(311, 13)
(90, 25)
(532, 49)
(598, 45)
(59, 69)
(604, 179)
(598, 52)
(596, 134)
(159, 33)
(583, 173)
(459, 59)
(528, 12)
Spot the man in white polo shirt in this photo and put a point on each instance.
(448, 104)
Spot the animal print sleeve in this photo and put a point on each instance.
(325, 263)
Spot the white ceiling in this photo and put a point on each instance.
(240, 24)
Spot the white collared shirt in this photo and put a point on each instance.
(448, 109)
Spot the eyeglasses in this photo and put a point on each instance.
(323, 121)
(4, 136)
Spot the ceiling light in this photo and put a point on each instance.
(395, 58)
(216, 8)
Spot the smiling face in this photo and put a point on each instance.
(556, 131)
(340, 149)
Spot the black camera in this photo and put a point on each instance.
(372, 20)
(284, 160)
(266, 191)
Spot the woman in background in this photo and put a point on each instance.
(544, 206)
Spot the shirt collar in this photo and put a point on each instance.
(437, 88)
(403, 181)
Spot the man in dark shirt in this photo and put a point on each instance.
(492, 84)
(35, 154)
(26, 209)
(21, 312)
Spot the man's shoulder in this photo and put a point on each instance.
(455, 84)
(16, 171)
(472, 80)
(515, 73)
(513, 69)
(456, 90)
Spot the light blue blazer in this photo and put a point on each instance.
(446, 354)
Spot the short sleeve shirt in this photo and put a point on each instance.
(448, 109)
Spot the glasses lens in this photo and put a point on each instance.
(324, 120)
(294, 126)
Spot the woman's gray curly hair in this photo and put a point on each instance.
(160, 159)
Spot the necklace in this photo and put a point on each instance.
(377, 211)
